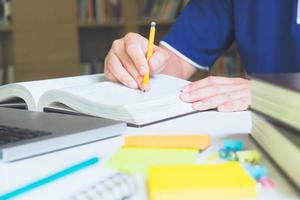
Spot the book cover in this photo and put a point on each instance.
(277, 96)
(289, 81)
(282, 144)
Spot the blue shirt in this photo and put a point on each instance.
(266, 33)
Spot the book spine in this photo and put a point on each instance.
(1, 12)
(97, 11)
(154, 9)
(90, 12)
(83, 11)
(160, 6)
(106, 10)
(174, 10)
(147, 9)
(94, 10)
(119, 10)
(165, 10)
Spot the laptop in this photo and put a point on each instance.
(25, 133)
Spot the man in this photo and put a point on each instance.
(266, 32)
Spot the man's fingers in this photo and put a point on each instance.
(237, 105)
(137, 54)
(210, 91)
(109, 75)
(212, 80)
(130, 67)
(120, 72)
(220, 99)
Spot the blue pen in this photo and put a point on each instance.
(50, 178)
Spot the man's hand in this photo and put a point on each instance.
(126, 61)
(225, 94)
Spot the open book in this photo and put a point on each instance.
(96, 96)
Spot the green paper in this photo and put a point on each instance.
(138, 160)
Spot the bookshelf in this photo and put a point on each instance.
(48, 39)
(112, 24)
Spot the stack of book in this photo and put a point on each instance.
(99, 11)
(160, 9)
(5, 12)
(276, 119)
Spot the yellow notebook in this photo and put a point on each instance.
(169, 141)
(227, 181)
(138, 160)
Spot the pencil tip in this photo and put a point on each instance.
(153, 24)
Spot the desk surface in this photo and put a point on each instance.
(219, 125)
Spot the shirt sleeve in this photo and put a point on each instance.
(202, 32)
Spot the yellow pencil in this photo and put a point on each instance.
(149, 53)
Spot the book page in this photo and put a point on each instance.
(115, 94)
(38, 88)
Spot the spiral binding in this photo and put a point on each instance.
(119, 186)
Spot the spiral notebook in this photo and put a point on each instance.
(118, 186)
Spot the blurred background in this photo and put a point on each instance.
(41, 39)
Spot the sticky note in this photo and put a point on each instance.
(233, 145)
(256, 171)
(251, 156)
(193, 182)
(138, 160)
(169, 141)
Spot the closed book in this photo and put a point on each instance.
(282, 144)
(277, 96)
(227, 181)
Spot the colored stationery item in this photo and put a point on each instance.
(149, 53)
(267, 183)
(115, 186)
(233, 145)
(212, 157)
(198, 142)
(138, 160)
(256, 171)
(213, 181)
(50, 178)
(228, 155)
(251, 156)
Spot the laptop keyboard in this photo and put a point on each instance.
(9, 134)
